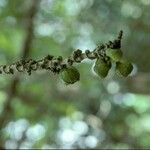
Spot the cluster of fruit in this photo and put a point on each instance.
(102, 66)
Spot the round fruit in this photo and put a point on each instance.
(102, 67)
(114, 54)
(70, 75)
(124, 68)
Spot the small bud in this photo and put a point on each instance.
(114, 54)
(124, 68)
(11, 70)
(70, 75)
(102, 67)
(70, 61)
(60, 58)
(49, 57)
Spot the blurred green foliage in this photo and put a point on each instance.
(92, 113)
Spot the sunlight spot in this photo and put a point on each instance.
(46, 5)
(3, 3)
(145, 123)
(16, 129)
(68, 136)
(83, 43)
(130, 10)
(105, 107)
(11, 20)
(36, 132)
(113, 87)
(85, 29)
(47, 146)
(45, 29)
(128, 99)
(91, 141)
(20, 126)
(59, 36)
(72, 7)
(77, 115)
(26, 145)
(80, 127)
(10, 144)
(65, 123)
(117, 99)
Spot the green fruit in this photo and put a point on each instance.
(70, 75)
(124, 68)
(114, 54)
(102, 67)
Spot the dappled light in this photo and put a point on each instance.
(79, 105)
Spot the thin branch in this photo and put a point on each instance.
(56, 64)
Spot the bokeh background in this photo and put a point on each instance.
(40, 111)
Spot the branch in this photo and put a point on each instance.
(56, 64)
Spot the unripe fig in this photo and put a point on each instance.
(102, 67)
(124, 68)
(70, 75)
(114, 54)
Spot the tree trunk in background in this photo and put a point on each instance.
(7, 110)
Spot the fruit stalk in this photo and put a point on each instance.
(57, 64)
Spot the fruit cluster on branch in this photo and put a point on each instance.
(105, 55)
